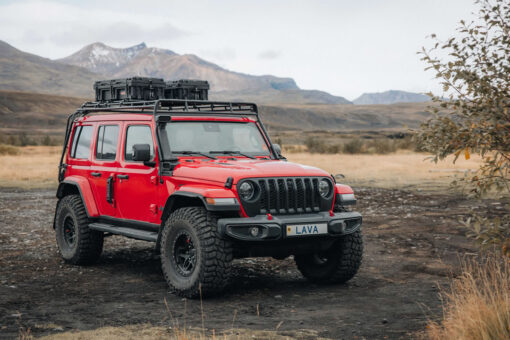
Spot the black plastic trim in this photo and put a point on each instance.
(338, 199)
(133, 224)
(225, 225)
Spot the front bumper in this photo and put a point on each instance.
(276, 228)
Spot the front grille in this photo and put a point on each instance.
(291, 195)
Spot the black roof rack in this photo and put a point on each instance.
(171, 106)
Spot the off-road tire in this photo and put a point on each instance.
(343, 260)
(211, 271)
(88, 244)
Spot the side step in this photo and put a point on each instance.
(138, 234)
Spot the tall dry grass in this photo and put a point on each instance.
(29, 167)
(37, 167)
(477, 304)
(404, 169)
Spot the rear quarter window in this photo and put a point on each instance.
(80, 148)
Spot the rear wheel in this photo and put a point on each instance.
(194, 257)
(76, 242)
(337, 265)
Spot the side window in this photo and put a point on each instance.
(76, 136)
(81, 143)
(137, 134)
(106, 146)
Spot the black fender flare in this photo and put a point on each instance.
(181, 199)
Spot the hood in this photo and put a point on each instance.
(219, 170)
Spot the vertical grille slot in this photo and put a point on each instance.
(263, 197)
(273, 199)
(315, 194)
(309, 195)
(284, 196)
(301, 201)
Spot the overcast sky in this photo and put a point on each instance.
(343, 47)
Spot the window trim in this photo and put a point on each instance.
(125, 143)
(102, 142)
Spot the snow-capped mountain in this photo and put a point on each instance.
(75, 75)
(141, 60)
(103, 59)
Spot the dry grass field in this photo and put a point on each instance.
(36, 167)
(402, 170)
(32, 167)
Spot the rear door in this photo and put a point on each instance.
(137, 185)
(104, 167)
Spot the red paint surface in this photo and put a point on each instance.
(135, 198)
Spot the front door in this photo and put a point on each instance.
(136, 187)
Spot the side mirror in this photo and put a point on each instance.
(141, 152)
(278, 149)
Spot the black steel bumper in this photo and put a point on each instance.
(276, 228)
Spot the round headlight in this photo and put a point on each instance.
(324, 188)
(246, 191)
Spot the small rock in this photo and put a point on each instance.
(278, 296)
(384, 321)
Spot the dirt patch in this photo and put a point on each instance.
(412, 242)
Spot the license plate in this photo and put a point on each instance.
(307, 229)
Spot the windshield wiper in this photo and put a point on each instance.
(228, 152)
(194, 153)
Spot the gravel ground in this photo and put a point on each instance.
(412, 243)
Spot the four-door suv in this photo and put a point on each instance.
(203, 181)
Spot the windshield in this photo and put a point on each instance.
(215, 137)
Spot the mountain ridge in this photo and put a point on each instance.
(22, 71)
(390, 97)
(141, 60)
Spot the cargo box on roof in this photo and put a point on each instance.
(187, 89)
(136, 88)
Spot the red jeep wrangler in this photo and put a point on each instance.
(203, 181)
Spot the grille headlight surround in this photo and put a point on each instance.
(246, 190)
(324, 188)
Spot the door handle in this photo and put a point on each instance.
(96, 174)
(123, 176)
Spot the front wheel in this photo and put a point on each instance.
(194, 257)
(337, 265)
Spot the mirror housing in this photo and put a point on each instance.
(278, 149)
(141, 153)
